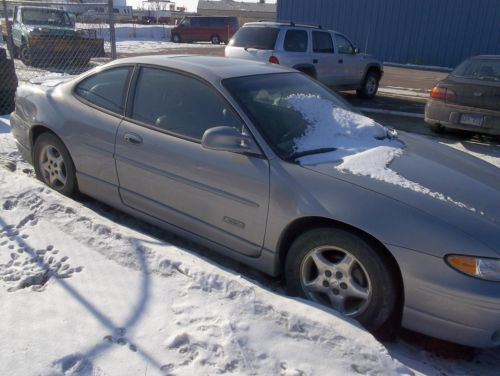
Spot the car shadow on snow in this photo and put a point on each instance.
(79, 363)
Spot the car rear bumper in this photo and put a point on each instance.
(446, 304)
(449, 115)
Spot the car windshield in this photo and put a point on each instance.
(298, 116)
(46, 17)
(481, 69)
(260, 38)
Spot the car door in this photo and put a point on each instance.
(352, 62)
(328, 68)
(165, 172)
(295, 51)
(99, 102)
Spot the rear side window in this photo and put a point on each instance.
(481, 69)
(106, 89)
(260, 38)
(179, 104)
(322, 42)
(295, 41)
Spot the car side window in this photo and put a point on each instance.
(322, 42)
(179, 104)
(343, 44)
(106, 89)
(295, 41)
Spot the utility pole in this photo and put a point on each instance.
(112, 35)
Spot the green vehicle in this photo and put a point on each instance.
(49, 35)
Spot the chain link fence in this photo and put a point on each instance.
(51, 39)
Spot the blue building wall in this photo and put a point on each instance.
(425, 32)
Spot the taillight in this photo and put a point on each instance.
(443, 93)
(273, 60)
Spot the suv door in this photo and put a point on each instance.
(294, 51)
(165, 172)
(352, 62)
(325, 59)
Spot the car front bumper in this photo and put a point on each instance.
(446, 304)
(449, 115)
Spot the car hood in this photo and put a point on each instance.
(448, 184)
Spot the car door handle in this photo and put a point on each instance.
(341, 61)
(133, 138)
(315, 61)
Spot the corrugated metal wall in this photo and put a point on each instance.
(424, 32)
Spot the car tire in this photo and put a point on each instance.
(369, 87)
(176, 38)
(437, 128)
(340, 270)
(53, 164)
(215, 39)
(25, 55)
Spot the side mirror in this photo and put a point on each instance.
(229, 139)
(356, 50)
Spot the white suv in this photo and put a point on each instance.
(326, 55)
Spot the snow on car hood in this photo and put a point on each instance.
(445, 183)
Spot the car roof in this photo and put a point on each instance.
(212, 68)
(281, 24)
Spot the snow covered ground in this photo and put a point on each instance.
(89, 291)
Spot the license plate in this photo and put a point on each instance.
(471, 119)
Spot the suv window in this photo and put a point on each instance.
(343, 44)
(260, 38)
(181, 104)
(106, 89)
(295, 41)
(322, 42)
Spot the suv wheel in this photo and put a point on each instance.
(370, 85)
(176, 38)
(336, 268)
(215, 39)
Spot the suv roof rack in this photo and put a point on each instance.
(292, 23)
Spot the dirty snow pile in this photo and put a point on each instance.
(83, 295)
(363, 147)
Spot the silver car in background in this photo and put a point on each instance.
(326, 55)
(267, 166)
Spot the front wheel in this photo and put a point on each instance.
(53, 164)
(335, 268)
(25, 55)
(370, 85)
(176, 38)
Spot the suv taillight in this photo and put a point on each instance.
(443, 93)
(273, 60)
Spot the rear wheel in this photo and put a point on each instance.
(53, 164)
(215, 39)
(176, 38)
(437, 128)
(370, 85)
(335, 268)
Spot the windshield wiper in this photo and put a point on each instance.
(293, 156)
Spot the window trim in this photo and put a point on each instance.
(125, 93)
(130, 104)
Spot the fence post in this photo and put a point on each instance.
(8, 30)
(112, 35)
